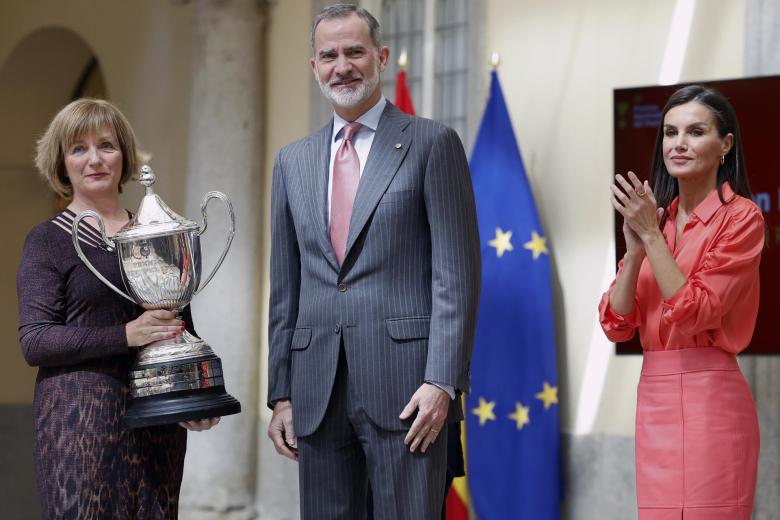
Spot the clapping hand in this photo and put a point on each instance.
(636, 203)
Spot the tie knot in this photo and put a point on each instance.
(350, 130)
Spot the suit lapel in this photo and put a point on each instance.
(316, 183)
(383, 161)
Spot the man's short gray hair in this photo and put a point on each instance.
(342, 11)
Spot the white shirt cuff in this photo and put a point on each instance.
(447, 388)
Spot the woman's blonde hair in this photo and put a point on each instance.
(79, 118)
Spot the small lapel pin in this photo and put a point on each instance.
(397, 145)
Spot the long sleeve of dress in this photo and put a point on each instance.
(618, 327)
(45, 337)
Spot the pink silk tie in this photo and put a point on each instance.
(346, 176)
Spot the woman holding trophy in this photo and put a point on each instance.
(81, 336)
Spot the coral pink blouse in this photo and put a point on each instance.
(719, 253)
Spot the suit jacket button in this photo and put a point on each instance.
(337, 329)
(342, 287)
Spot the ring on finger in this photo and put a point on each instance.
(640, 192)
(434, 430)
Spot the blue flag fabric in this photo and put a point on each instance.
(512, 424)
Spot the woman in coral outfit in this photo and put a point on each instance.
(689, 283)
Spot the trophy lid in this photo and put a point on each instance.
(154, 218)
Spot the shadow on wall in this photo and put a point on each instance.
(42, 73)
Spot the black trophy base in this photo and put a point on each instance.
(188, 405)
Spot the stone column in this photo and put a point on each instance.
(762, 41)
(225, 154)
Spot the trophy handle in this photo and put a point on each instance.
(75, 235)
(221, 196)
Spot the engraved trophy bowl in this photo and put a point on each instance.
(179, 379)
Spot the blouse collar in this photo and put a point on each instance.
(708, 207)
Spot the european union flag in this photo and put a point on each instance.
(513, 437)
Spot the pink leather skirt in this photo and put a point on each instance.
(697, 437)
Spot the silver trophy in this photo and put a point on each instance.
(159, 257)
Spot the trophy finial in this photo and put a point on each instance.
(147, 176)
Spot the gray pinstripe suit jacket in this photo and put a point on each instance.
(405, 299)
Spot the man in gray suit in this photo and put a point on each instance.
(375, 276)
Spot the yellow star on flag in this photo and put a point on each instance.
(520, 416)
(537, 244)
(502, 242)
(484, 411)
(549, 395)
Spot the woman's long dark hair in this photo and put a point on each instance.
(665, 186)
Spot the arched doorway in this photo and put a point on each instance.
(43, 72)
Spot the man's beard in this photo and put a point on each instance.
(350, 97)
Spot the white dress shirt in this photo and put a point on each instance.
(361, 141)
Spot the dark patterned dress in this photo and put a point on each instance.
(72, 327)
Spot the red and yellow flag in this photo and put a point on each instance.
(457, 507)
